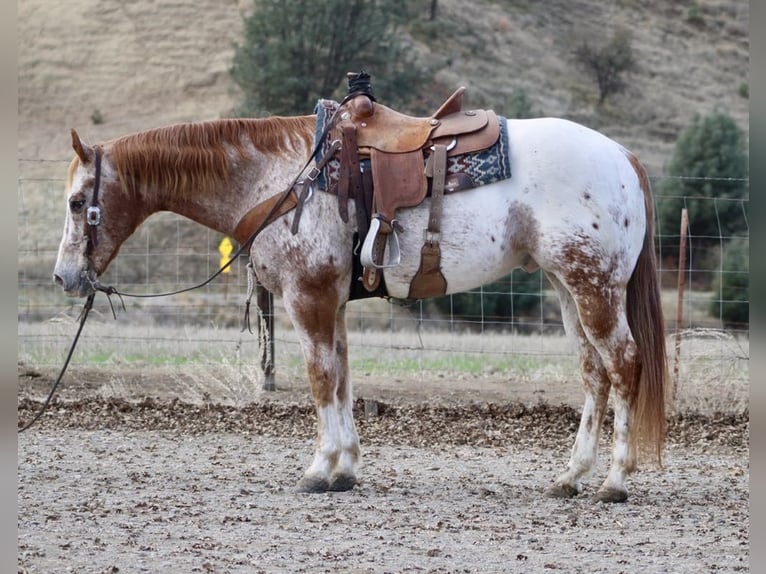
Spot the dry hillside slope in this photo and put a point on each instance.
(142, 64)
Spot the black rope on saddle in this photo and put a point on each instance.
(360, 84)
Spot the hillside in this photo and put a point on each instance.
(145, 63)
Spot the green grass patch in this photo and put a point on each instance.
(453, 363)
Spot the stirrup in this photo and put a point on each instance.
(372, 241)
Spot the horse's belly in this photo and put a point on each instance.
(474, 240)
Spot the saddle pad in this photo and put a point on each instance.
(483, 168)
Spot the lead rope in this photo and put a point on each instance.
(83, 316)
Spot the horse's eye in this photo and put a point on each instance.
(76, 205)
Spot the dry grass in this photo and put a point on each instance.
(713, 370)
(200, 363)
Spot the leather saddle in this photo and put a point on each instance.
(408, 161)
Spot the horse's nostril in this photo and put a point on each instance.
(57, 280)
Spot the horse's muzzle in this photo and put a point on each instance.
(76, 285)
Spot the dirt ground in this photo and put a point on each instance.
(452, 482)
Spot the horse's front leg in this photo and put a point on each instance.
(322, 330)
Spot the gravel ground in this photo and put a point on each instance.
(107, 485)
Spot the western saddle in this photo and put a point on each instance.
(408, 158)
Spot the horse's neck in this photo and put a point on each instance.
(250, 182)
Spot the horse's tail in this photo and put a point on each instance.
(644, 310)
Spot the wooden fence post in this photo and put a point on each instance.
(680, 298)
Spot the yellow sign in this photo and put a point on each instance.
(225, 249)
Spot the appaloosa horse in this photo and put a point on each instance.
(578, 205)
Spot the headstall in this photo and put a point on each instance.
(93, 213)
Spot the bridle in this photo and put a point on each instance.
(93, 213)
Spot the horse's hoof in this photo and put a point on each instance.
(342, 482)
(312, 484)
(562, 491)
(611, 495)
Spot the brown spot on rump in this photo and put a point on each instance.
(194, 157)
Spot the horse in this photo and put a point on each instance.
(578, 205)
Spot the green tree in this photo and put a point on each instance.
(297, 51)
(707, 175)
(731, 298)
(608, 64)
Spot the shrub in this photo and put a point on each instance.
(744, 90)
(731, 298)
(707, 175)
(296, 52)
(519, 105)
(694, 15)
(608, 64)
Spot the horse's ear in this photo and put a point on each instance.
(83, 150)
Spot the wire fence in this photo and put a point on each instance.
(514, 322)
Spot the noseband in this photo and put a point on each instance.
(93, 213)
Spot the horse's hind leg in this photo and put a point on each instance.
(601, 310)
(596, 383)
(620, 357)
(322, 330)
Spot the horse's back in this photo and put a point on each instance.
(572, 190)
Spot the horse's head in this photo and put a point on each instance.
(97, 219)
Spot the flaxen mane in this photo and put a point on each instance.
(195, 157)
